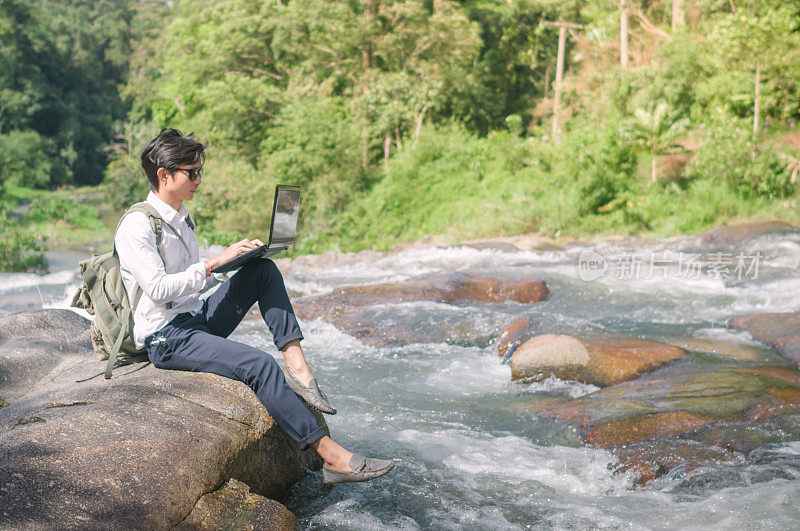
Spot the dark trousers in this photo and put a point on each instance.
(199, 343)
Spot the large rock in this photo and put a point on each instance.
(452, 288)
(729, 350)
(598, 361)
(135, 451)
(695, 403)
(651, 459)
(235, 507)
(780, 330)
(358, 309)
(34, 345)
(739, 233)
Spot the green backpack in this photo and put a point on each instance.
(103, 295)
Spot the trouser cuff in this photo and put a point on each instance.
(313, 437)
(288, 338)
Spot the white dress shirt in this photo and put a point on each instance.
(181, 282)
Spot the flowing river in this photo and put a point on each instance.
(469, 454)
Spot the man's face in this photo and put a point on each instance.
(179, 184)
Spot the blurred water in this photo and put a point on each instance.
(470, 455)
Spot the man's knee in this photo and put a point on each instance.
(263, 268)
(263, 365)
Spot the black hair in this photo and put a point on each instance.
(169, 150)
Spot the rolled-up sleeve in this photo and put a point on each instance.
(213, 280)
(136, 246)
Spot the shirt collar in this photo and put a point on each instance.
(169, 214)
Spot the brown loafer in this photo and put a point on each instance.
(311, 394)
(361, 469)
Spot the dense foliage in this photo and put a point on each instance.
(61, 63)
(402, 119)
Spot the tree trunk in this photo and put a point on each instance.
(387, 146)
(623, 35)
(546, 80)
(653, 169)
(562, 39)
(418, 128)
(757, 108)
(677, 15)
(370, 13)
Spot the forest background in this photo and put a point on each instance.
(401, 119)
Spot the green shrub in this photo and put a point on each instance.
(52, 209)
(727, 155)
(28, 159)
(767, 175)
(19, 248)
(602, 166)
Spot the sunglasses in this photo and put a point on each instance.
(192, 173)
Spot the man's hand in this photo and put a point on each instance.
(231, 252)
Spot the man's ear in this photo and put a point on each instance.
(162, 176)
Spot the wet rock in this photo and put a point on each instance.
(780, 330)
(739, 233)
(136, 451)
(652, 459)
(691, 402)
(745, 437)
(643, 426)
(729, 350)
(358, 309)
(235, 507)
(449, 289)
(597, 361)
(513, 336)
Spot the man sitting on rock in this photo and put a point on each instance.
(183, 332)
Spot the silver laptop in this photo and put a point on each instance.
(282, 229)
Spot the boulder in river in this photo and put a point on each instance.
(598, 361)
(688, 402)
(739, 233)
(729, 350)
(136, 451)
(780, 330)
(359, 310)
(452, 288)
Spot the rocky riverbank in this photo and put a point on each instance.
(137, 451)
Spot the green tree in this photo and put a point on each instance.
(396, 64)
(60, 65)
(763, 38)
(29, 159)
(654, 131)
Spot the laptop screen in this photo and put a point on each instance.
(284, 214)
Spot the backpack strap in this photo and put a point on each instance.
(112, 356)
(178, 234)
(157, 223)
